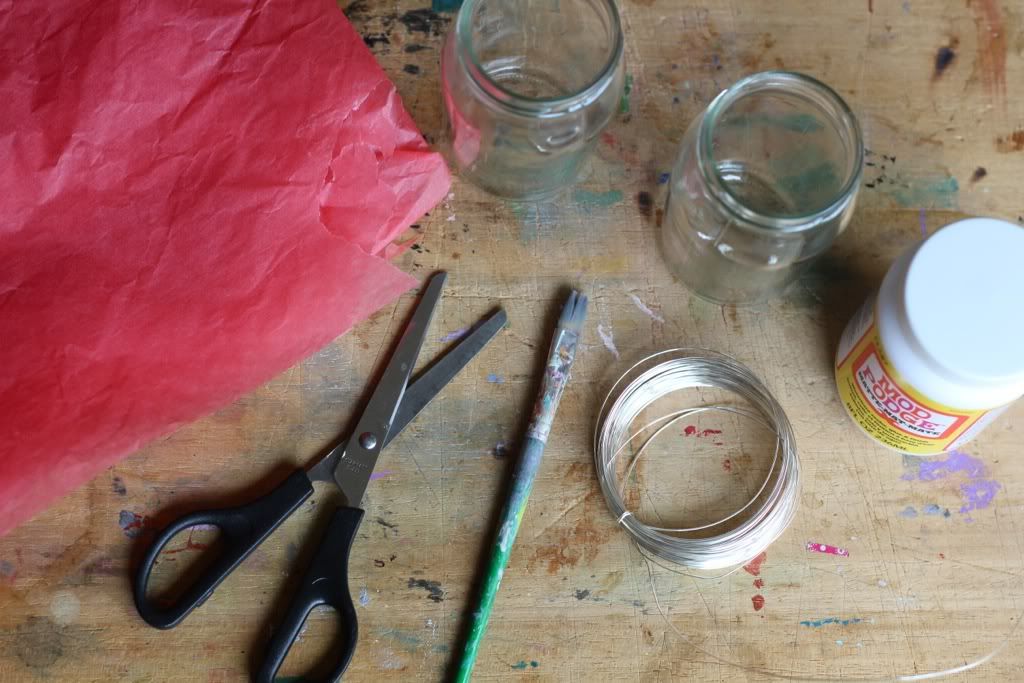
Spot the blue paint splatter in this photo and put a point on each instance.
(131, 523)
(521, 664)
(908, 512)
(445, 5)
(495, 379)
(664, 178)
(934, 510)
(818, 623)
(364, 596)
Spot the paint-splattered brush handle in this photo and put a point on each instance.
(556, 375)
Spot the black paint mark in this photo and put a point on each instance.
(374, 39)
(645, 202)
(118, 486)
(392, 558)
(500, 449)
(425, 21)
(411, 69)
(432, 587)
(378, 563)
(415, 47)
(417, 248)
(943, 58)
(979, 173)
(385, 523)
(581, 595)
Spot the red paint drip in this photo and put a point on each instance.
(690, 430)
(189, 545)
(754, 566)
(758, 583)
(813, 547)
(758, 601)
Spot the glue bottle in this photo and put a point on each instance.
(938, 354)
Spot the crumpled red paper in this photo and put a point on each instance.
(195, 195)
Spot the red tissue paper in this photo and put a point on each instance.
(193, 197)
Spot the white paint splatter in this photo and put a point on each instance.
(65, 607)
(389, 661)
(364, 596)
(645, 309)
(882, 583)
(608, 340)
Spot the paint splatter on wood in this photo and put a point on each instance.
(645, 202)
(818, 623)
(645, 309)
(131, 523)
(1014, 142)
(943, 58)
(432, 587)
(758, 583)
(758, 601)
(978, 174)
(991, 41)
(605, 333)
(754, 566)
(814, 547)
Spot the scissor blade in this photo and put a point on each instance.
(359, 455)
(430, 383)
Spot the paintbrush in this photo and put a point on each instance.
(556, 375)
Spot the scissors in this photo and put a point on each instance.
(348, 466)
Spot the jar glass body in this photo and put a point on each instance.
(764, 181)
(528, 87)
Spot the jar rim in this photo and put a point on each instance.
(536, 106)
(762, 222)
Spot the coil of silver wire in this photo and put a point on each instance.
(741, 535)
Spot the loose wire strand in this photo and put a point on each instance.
(771, 508)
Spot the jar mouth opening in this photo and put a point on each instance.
(537, 106)
(828, 103)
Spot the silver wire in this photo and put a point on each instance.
(773, 506)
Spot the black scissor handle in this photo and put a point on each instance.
(242, 530)
(325, 583)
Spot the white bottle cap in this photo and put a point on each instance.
(964, 306)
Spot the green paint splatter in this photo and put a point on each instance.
(818, 179)
(933, 193)
(795, 123)
(591, 200)
(521, 665)
(626, 92)
(445, 5)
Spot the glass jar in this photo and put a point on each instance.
(528, 87)
(765, 180)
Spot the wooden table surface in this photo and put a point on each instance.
(933, 579)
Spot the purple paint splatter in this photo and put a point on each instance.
(131, 523)
(923, 223)
(7, 571)
(381, 474)
(976, 494)
(664, 178)
(457, 334)
(495, 379)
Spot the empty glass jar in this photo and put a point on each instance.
(765, 180)
(528, 87)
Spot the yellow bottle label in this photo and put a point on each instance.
(886, 407)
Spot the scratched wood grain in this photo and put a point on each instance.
(929, 582)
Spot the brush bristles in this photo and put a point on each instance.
(574, 313)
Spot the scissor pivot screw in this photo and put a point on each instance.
(368, 440)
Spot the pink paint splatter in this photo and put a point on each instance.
(758, 601)
(754, 566)
(813, 547)
(691, 430)
(759, 583)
